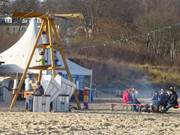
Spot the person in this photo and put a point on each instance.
(135, 101)
(44, 38)
(155, 102)
(29, 103)
(126, 97)
(166, 99)
(173, 100)
(39, 91)
(41, 59)
(28, 83)
(146, 108)
(90, 33)
(163, 99)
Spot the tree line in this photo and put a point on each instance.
(141, 16)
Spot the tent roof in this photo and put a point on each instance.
(76, 69)
(19, 53)
(10, 68)
(17, 56)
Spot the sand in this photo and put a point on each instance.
(89, 123)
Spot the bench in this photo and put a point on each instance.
(114, 106)
(138, 105)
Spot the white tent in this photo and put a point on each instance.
(16, 57)
(76, 69)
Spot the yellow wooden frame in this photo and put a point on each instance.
(49, 25)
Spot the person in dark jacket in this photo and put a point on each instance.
(173, 100)
(155, 102)
(163, 98)
(135, 101)
(39, 90)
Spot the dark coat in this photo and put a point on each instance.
(163, 98)
(39, 91)
(173, 99)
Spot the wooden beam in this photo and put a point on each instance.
(50, 34)
(28, 14)
(47, 67)
(57, 68)
(47, 46)
(40, 76)
(71, 16)
(44, 15)
(26, 69)
(65, 63)
(61, 52)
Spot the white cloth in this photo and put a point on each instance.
(28, 85)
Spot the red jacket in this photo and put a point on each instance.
(125, 98)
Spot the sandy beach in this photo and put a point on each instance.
(89, 123)
(98, 120)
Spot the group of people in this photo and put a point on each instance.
(162, 100)
(37, 90)
(129, 96)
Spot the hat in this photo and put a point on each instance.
(173, 89)
(170, 88)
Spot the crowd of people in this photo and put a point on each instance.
(129, 96)
(162, 100)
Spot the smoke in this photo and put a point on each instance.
(144, 87)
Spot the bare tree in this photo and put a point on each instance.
(26, 5)
(4, 7)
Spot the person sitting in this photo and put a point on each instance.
(39, 91)
(163, 99)
(173, 100)
(135, 101)
(155, 102)
(127, 98)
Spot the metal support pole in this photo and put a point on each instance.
(91, 90)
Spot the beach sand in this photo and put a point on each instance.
(89, 123)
